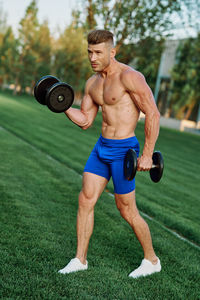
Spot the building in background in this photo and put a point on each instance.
(162, 91)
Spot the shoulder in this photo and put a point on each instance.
(90, 82)
(131, 77)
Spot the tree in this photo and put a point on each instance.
(90, 19)
(144, 56)
(35, 48)
(186, 81)
(43, 52)
(28, 33)
(3, 28)
(70, 58)
(138, 27)
(3, 20)
(130, 20)
(9, 56)
(190, 16)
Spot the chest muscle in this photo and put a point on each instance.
(107, 91)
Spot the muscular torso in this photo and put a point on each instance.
(120, 114)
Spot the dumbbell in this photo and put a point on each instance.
(130, 165)
(58, 96)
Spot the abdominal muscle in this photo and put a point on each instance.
(119, 119)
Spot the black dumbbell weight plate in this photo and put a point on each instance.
(42, 86)
(59, 97)
(130, 164)
(156, 173)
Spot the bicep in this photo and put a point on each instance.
(89, 108)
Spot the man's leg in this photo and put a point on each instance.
(92, 187)
(127, 206)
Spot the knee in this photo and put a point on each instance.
(129, 215)
(127, 211)
(124, 211)
(86, 200)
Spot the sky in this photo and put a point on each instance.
(57, 12)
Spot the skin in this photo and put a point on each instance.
(122, 93)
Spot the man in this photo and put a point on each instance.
(122, 93)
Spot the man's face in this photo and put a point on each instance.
(99, 56)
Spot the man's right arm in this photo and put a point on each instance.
(84, 116)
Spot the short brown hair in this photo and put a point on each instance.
(98, 36)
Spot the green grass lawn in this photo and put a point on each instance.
(42, 158)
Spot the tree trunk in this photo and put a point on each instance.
(16, 85)
(189, 110)
(90, 17)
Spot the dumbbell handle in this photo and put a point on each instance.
(154, 166)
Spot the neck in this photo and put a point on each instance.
(110, 69)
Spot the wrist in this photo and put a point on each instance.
(147, 153)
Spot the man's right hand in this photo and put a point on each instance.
(144, 163)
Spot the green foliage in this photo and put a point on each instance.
(35, 47)
(71, 61)
(9, 57)
(90, 19)
(3, 20)
(143, 56)
(186, 93)
(148, 58)
(138, 27)
(28, 55)
(35, 53)
(44, 51)
(130, 20)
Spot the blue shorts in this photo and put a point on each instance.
(107, 159)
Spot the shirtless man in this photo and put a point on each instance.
(122, 93)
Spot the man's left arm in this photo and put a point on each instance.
(142, 96)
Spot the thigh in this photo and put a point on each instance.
(121, 184)
(96, 166)
(93, 185)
